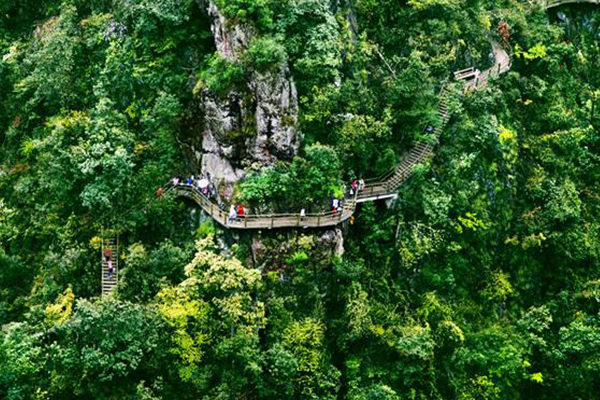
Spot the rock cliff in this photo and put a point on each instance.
(252, 127)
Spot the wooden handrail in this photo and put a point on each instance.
(385, 186)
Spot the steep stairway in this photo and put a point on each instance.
(109, 284)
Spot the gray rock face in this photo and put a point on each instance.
(331, 242)
(231, 39)
(254, 129)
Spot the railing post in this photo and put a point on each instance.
(245, 221)
(211, 208)
(272, 221)
(298, 223)
(319, 220)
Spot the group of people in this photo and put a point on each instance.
(108, 258)
(235, 212)
(357, 186)
(202, 183)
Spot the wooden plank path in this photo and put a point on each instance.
(555, 3)
(385, 187)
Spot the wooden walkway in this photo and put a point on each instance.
(555, 3)
(385, 187)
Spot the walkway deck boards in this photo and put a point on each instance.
(378, 189)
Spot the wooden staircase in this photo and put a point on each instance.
(109, 284)
(384, 187)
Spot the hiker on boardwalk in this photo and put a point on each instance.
(302, 214)
(232, 214)
(240, 211)
(107, 254)
(203, 185)
(476, 74)
(111, 269)
(335, 204)
(429, 130)
(354, 187)
(361, 184)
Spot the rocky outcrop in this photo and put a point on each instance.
(274, 253)
(250, 128)
(331, 243)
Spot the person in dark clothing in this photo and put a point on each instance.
(107, 254)
(111, 269)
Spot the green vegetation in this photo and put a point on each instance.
(482, 281)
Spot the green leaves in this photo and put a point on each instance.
(221, 76)
(306, 181)
(264, 53)
(242, 11)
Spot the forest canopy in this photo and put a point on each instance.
(481, 280)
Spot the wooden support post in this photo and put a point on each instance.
(245, 221)
(272, 221)
(298, 223)
(319, 220)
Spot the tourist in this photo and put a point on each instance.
(302, 214)
(361, 184)
(240, 211)
(232, 214)
(111, 270)
(107, 254)
(334, 205)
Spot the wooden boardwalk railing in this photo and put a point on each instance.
(555, 3)
(381, 188)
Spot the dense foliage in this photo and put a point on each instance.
(482, 281)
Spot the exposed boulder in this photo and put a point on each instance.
(255, 127)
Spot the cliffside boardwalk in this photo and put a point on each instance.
(555, 3)
(384, 187)
(381, 188)
(110, 283)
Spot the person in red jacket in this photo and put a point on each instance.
(240, 211)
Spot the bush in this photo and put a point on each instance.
(264, 53)
(257, 11)
(221, 76)
(302, 184)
